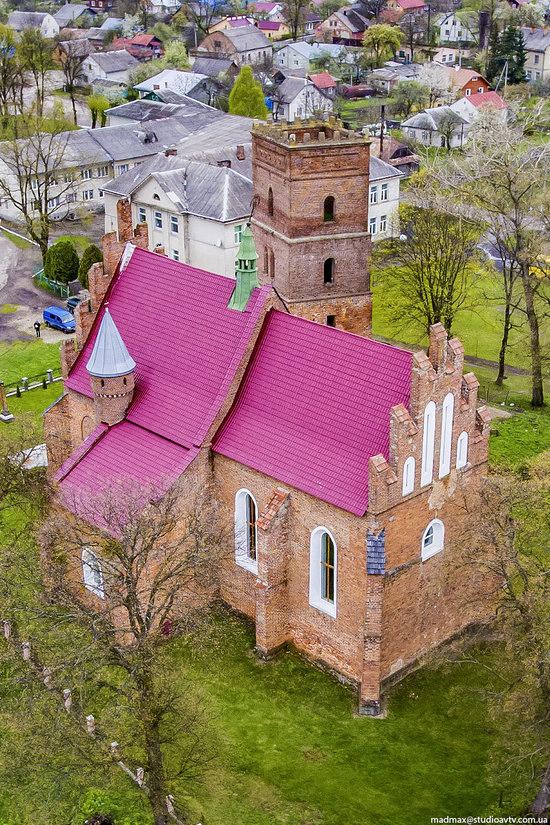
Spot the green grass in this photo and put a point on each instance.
(7, 309)
(27, 359)
(35, 401)
(80, 242)
(514, 441)
(20, 243)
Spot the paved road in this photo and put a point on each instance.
(54, 80)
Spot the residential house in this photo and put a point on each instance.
(466, 82)
(302, 55)
(298, 97)
(454, 29)
(396, 154)
(344, 525)
(196, 209)
(345, 26)
(273, 29)
(214, 66)
(112, 23)
(386, 78)
(187, 84)
(72, 48)
(325, 82)
(148, 111)
(44, 22)
(101, 6)
(470, 107)
(246, 45)
(230, 23)
(164, 6)
(312, 19)
(537, 47)
(143, 47)
(71, 13)
(400, 7)
(267, 11)
(112, 66)
(94, 35)
(441, 127)
(384, 183)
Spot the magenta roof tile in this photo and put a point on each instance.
(187, 345)
(315, 406)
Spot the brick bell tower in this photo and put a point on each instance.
(310, 222)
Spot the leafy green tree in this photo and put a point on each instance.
(92, 254)
(380, 42)
(36, 55)
(98, 105)
(247, 97)
(61, 262)
(508, 48)
(175, 55)
(409, 94)
(164, 32)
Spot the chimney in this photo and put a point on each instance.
(437, 351)
(240, 152)
(124, 219)
(170, 153)
(112, 371)
(159, 249)
(246, 272)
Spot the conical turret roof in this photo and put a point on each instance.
(109, 358)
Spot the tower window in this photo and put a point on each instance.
(246, 532)
(266, 261)
(331, 320)
(270, 201)
(323, 571)
(272, 264)
(328, 209)
(328, 271)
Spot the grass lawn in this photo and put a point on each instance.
(80, 242)
(35, 401)
(27, 359)
(20, 243)
(7, 309)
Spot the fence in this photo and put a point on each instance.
(62, 290)
(33, 382)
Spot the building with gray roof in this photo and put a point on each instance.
(537, 47)
(440, 126)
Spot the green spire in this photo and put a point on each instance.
(246, 271)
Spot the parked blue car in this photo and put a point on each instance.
(59, 318)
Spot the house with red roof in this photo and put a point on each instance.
(324, 82)
(472, 106)
(466, 82)
(340, 465)
(401, 7)
(141, 46)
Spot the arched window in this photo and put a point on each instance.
(92, 573)
(323, 558)
(272, 264)
(328, 209)
(328, 271)
(433, 539)
(446, 435)
(266, 260)
(428, 439)
(270, 201)
(409, 468)
(462, 450)
(87, 426)
(246, 530)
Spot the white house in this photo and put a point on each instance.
(299, 55)
(298, 97)
(384, 182)
(113, 66)
(453, 29)
(470, 107)
(442, 127)
(537, 47)
(44, 22)
(195, 208)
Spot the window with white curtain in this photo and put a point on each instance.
(323, 571)
(462, 450)
(446, 435)
(92, 573)
(246, 530)
(428, 441)
(409, 468)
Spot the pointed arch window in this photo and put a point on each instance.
(328, 271)
(323, 566)
(446, 435)
(246, 530)
(92, 573)
(428, 441)
(270, 201)
(409, 468)
(462, 450)
(328, 209)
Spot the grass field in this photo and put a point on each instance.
(80, 242)
(27, 359)
(7, 309)
(20, 243)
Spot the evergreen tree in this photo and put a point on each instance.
(508, 48)
(247, 97)
(92, 254)
(61, 262)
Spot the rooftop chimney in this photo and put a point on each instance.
(240, 153)
(246, 272)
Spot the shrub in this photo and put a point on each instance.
(92, 255)
(61, 262)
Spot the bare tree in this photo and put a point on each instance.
(202, 13)
(12, 77)
(505, 183)
(72, 58)
(294, 12)
(436, 79)
(37, 178)
(36, 55)
(427, 272)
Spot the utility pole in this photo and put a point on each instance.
(382, 122)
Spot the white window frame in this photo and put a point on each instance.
(92, 574)
(315, 598)
(409, 471)
(174, 222)
(372, 225)
(142, 214)
(462, 450)
(383, 192)
(237, 233)
(437, 543)
(88, 195)
(383, 223)
(175, 255)
(373, 194)
(241, 542)
(86, 174)
(157, 219)
(446, 443)
(428, 444)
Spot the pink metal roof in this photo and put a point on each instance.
(187, 345)
(487, 99)
(314, 407)
(268, 25)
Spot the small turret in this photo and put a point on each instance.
(246, 271)
(111, 368)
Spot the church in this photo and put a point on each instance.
(342, 463)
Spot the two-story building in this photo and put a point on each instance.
(537, 48)
(244, 45)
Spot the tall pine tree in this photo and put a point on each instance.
(246, 97)
(509, 47)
